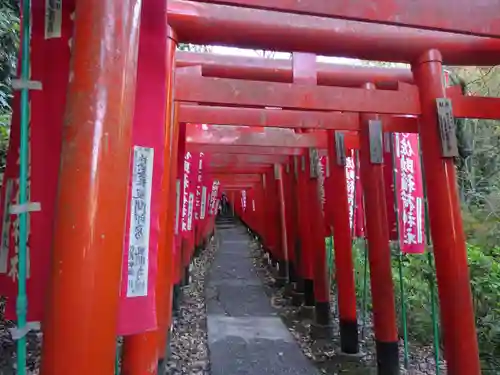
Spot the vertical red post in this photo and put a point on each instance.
(273, 204)
(346, 288)
(179, 238)
(304, 72)
(290, 199)
(372, 180)
(232, 201)
(306, 248)
(281, 201)
(82, 306)
(155, 70)
(457, 314)
(164, 296)
(299, 232)
(268, 199)
(318, 253)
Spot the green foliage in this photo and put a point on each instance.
(418, 275)
(9, 42)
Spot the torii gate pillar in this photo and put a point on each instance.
(82, 305)
(457, 314)
(379, 253)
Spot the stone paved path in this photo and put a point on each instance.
(245, 334)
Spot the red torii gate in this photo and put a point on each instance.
(107, 28)
(204, 23)
(455, 16)
(274, 70)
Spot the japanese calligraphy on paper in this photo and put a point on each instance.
(410, 193)
(350, 175)
(213, 197)
(177, 204)
(203, 207)
(190, 211)
(198, 187)
(354, 195)
(244, 200)
(53, 18)
(140, 213)
(185, 197)
(321, 172)
(11, 222)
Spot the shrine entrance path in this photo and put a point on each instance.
(245, 334)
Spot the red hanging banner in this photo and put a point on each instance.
(410, 195)
(350, 175)
(142, 231)
(322, 183)
(187, 193)
(188, 205)
(50, 52)
(243, 201)
(214, 193)
(355, 195)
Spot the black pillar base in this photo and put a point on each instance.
(265, 258)
(306, 312)
(162, 367)
(283, 269)
(349, 342)
(186, 276)
(387, 358)
(297, 298)
(165, 357)
(279, 282)
(299, 285)
(168, 349)
(321, 331)
(309, 293)
(176, 298)
(289, 290)
(323, 313)
(274, 261)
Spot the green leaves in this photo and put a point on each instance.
(484, 268)
(9, 42)
(9, 46)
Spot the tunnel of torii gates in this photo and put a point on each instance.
(122, 141)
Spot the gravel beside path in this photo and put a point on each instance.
(325, 353)
(189, 346)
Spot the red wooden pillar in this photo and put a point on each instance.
(298, 232)
(155, 67)
(304, 72)
(178, 272)
(164, 295)
(372, 179)
(457, 314)
(284, 276)
(344, 266)
(271, 217)
(264, 216)
(82, 306)
(232, 200)
(318, 250)
(305, 248)
(274, 204)
(290, 199)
